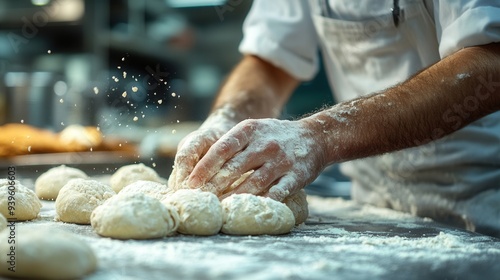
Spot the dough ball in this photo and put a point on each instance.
(298, 204)
(247, 214)
(78, 198)
(45, 253)
(3, 222)
(26, 205)
(129, 174)
(134, 216)
(150, 188)
(200, 212)
(48, 185)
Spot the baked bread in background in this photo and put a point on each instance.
(22, 139)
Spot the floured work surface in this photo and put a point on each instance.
(340, 240)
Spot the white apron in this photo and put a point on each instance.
(454, 180)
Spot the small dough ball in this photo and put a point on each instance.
(129, 174)
(150, 188)
(134, 216)
(247, 214)
(298, 204)
(78, 198)
(48, 185)
(200, 212)
(45, 253)
(26, 205)
(3, 222)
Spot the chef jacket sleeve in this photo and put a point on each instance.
(282, 33)
(465, 23)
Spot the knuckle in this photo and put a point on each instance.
(249, 125)
(272, 146)
(263, 178)
(191, 137)
(224, 147)
(286, 162)
(260, 179)
(185, 156)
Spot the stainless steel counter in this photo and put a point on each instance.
(340, 240)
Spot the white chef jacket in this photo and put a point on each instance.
(455, 179)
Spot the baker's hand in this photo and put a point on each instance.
(284, 156)
(196, 144)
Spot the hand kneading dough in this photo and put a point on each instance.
(200, 212)
(134, 216)
(46, 254)
(247, 214)
(47, 186)
(3, 222)
(129, 174)
(153, 189)
(78, 198)
(27, 206)
(298, 204)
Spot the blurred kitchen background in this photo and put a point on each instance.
(70, 61)
(135, 69)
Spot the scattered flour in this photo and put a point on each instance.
(462, 76)
(311, 251)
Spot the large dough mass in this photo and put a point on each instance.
(45, 253)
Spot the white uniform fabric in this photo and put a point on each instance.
(455, 179)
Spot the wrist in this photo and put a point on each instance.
(315, 130)
(326, 132)
(224, 116)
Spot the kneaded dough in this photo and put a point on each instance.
(247, 214)
(134, 216)
(48, 185)
(129, 174)
(150, 188)
(46, 253)
(3, 222)
(200, 212)
(78, 198)
(26, 204)
(298, 204)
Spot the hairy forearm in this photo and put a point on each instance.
(255, 89)
(439, 100)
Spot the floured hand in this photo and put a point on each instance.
(285, 156)
(196, 144)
